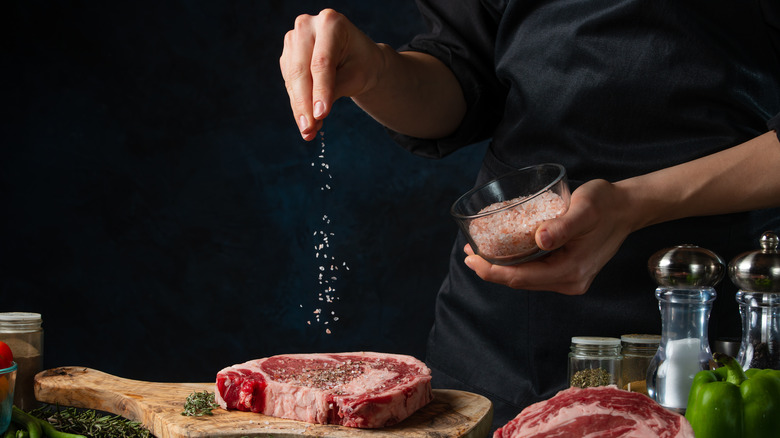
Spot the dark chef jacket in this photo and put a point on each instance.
(610, 89)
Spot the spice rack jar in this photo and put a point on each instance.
(594, 361)
(637, 351)
(23, 333)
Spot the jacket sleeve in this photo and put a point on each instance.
(462, 35)
(771, 11)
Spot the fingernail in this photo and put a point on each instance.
(545, 239)
(302, 123)
(319, 109)
(467, 261)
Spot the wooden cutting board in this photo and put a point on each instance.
(158, 406)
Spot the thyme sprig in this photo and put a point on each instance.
(91, 423)
(199, 404)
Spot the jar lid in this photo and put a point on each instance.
(20, 321)
(641, 339)
(686, 266)
(594, 340)
(758, 271)
(20, 316)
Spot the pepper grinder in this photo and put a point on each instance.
(685, 275)
(757, 274)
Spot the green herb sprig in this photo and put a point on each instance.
(91, 423)
(199, 404)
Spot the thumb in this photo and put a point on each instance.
(555, 233)
(551, 234)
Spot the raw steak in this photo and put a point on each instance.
(603, 412)
(364, 389)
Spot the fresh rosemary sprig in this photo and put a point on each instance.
(90, 423)
(199, 404)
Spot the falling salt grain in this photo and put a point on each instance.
(328, 293)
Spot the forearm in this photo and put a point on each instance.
(744, 177)
(415, 94)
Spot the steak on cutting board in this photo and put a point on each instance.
(603, 411)
(362, 389)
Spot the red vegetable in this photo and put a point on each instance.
(6, 356)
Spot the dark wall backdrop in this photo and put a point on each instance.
(161, 211)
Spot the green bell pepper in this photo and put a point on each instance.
(729, 402)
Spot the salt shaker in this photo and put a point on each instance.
(757, 274)
(685, 275)
(22, 332)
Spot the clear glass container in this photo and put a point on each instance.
(638, 351)
(23, 333)
(594, 361)
(685, 275)
(757, 274)
(684, 349)
(7, 382)
(760, 346)
(499, 218)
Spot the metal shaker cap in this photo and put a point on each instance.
(758, 271)
(686, 266)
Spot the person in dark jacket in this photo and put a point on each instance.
(664, 113)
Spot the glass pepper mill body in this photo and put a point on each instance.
(760, 345)
(686, 276)
(757, 274)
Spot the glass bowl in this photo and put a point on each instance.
(500, 217)
(7, 383)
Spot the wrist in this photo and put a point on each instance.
(644, 202)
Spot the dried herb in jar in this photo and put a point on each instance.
(591, 377)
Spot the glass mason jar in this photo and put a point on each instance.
(594, 361)
(23, 333)
(638, 351)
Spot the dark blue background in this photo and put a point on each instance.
(159, 207)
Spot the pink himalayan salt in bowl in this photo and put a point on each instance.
(500, 217)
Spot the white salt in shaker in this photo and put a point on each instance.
(686, 275)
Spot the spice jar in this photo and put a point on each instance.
(23, 333)
(757, 274)
(686, 275)
(594, 361)
(638, 351)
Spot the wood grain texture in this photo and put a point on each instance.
(159, 405)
